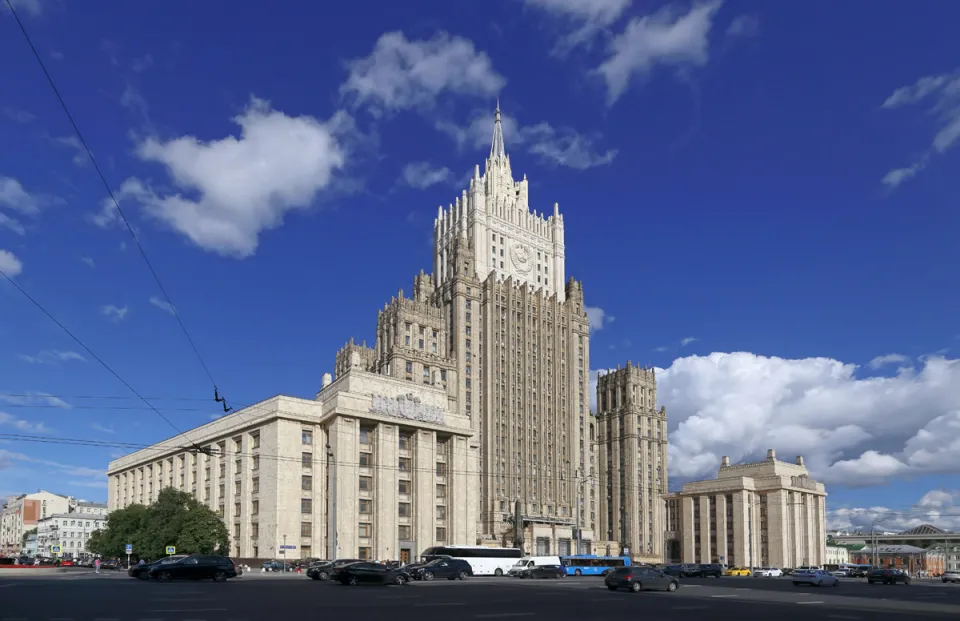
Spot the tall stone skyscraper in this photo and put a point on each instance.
(632, 460)
(498, 325)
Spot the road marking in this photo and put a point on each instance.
(500, 615)
(7, 585)
(106, 619)
(62, 619)
(718, 596)
(742, 589)
(842, 617)
(692, 586)
(689, 608)
(816, 602)
(433, 604)
(184, 610)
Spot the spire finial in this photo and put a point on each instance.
(496, 147)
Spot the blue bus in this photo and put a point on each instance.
(591, 564)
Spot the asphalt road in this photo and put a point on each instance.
(115, 597)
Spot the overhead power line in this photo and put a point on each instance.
(116, 204)
(93, 354)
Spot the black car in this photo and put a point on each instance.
(371, 573)
(449, 568)
(142, 572)
(888, 576)
(708, 570)
(545, 571)
(640, 578)
(195, 567)
(325, 571)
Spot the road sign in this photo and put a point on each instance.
(171, 549)
(55, 549)
(129, 548)
(288, 547)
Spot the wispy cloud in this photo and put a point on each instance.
(35, 398)
(114, 313)
(89, 261)
(686, 341)
(746, 26)
(102, 428)
(84, 475)
(888, 359)
(9, 420)
(17, 115)
(422, 175)
(162, 304)
(53, 356)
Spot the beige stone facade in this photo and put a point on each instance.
(498, 327)
(633, 461)
(765, 514)
(374, 468)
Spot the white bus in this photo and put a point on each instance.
(484, 561)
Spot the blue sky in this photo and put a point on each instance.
(760, 199)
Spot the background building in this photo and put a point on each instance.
(632, 456)
(21, 514)
(836, 555)
(906, 557)
(925, 536)
(765, 514)
(374, 468)
(70, 531)
(509, 340)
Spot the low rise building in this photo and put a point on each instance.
(375, 468)
(764, 514)
(836, 555)
(21, 513)
(65, 535)
(906, 557)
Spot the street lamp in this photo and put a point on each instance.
(333, 543)
(874, 541)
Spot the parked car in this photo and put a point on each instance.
(110, 563)
(371, 573)
(339, 564)
(449, 568)
(195, 567)
(767, 572)
(546, 571)
(708, 570)
(142, 572)
(815, 577)
(888, 576)
(737, 571)
(951, 576)
(640, 578)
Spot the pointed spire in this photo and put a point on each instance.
(496, 147)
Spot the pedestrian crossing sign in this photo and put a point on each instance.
(55, 549)
(171, 550)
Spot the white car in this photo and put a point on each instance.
(951, 576)
(768, 572)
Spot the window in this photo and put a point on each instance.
(236, 531)
(441, 534)
(364, 436)
(254, 530)
(409, 367)
(441, 469)
(366, 460)
(403, 487)
(256, 485)
(306, 483)
(255, 466)
(306, 529)
(404, 464)
(404, 533)
(441, 490)
(366, 484)
(403, 509)
(365, 530)
(306, 460)
(255, 507)
(306, 505)
(306, 437)
(255, 440)
(404, 442)
(364, 553)
(441, 512)
(366, 506)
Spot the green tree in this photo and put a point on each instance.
(23, 540)
(175, 519)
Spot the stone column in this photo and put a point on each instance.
(722, 528)
(687, 546)
(704, 552)
(741, 530)
(385, 492)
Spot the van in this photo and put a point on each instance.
(528, 562)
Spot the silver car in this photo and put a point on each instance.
(815, 577)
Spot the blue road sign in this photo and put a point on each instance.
(288, 547)
(129, 548)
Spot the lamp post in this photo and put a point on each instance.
(874, 542)
(283, 551)
(333, 543)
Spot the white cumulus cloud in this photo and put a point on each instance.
(598, 317)
(10, 264)
(232, 189)
(939, 507)
(553, 146)
(851, 429)
(401, 74)
(422, 175)
(667, 37)
(943, 94)
(888, 359)
(588, 18)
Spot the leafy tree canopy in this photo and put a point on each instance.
(176, 519)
